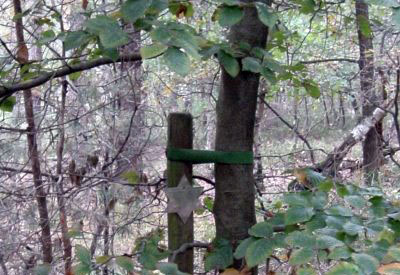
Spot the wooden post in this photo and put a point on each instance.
(180, 135)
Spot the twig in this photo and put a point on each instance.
(187, 246)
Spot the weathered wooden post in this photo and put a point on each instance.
(180, 135)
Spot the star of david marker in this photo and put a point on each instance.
(183, 199)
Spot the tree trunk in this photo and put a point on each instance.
(234, 208)
(33, 154)
(372, 143)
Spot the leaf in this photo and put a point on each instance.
(240, 251)
(396, 16)
(325, 185)
(259, 251)
(389, 269)
(220, 257)
(307, 6)
(108, 30)
(251, 64)
(75, 39)
(150, 253)
(339, 253)
(306, 271)
(312, 88)
(339, 210)
(394, 252)
(151, 51)
(42, 269)
(131, 176)
(208, 203)
(103, 259)
(301, 256)
(169, 269)
(328, 242)
(297, 199)
(298, 214)
(355, 201)
(262, 229)
(124, 262)
(7, 105)
(81, 269)
(46, 37)
(300, 239)
(230, 15)
(230, 64)
(83, 254)
(181, 9)
(177, 61)
(132, 10)
(344, 268)
(366, 262)
(353, 229)
(267, 17)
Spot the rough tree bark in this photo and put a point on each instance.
(372, 145)
(44, 222)
(234, 208)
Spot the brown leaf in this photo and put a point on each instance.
(388, 269)
(22, 54)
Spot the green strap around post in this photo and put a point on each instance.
(206, 156)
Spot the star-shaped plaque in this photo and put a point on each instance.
(183, 199)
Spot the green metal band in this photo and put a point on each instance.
(206, 156)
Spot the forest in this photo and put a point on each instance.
(234, 137)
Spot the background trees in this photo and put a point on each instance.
(83, 150)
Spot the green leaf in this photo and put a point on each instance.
(297, 199)
(317, 222)
(103, 259)
(230, 15)
(298, 214)
(366, 262)
(301, 256)
(251, 64)
(131, 176)
(265, 15)
(76, 39)
(83, 254)
(108, 30)
(220, 257)
(394, 252)
(325, 185)
(134, 9)
(169, 269)
(339, 210)
(355, 201)
(177, 61)
(396, 16)
(339, 253)
(150, 253)
(42, 269)
(328, 242)
(46, 37)
(230, 64)
(312, 88)
(124, 262)
(81, 269)
(259, 251)
(240, 251)
(307, 6)
(301, 239)
(152, 50)
(7, 105)
(364, 26)
(306, 271)
(353, 229)
(208, 203)
(344, 268)
(262, 229)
